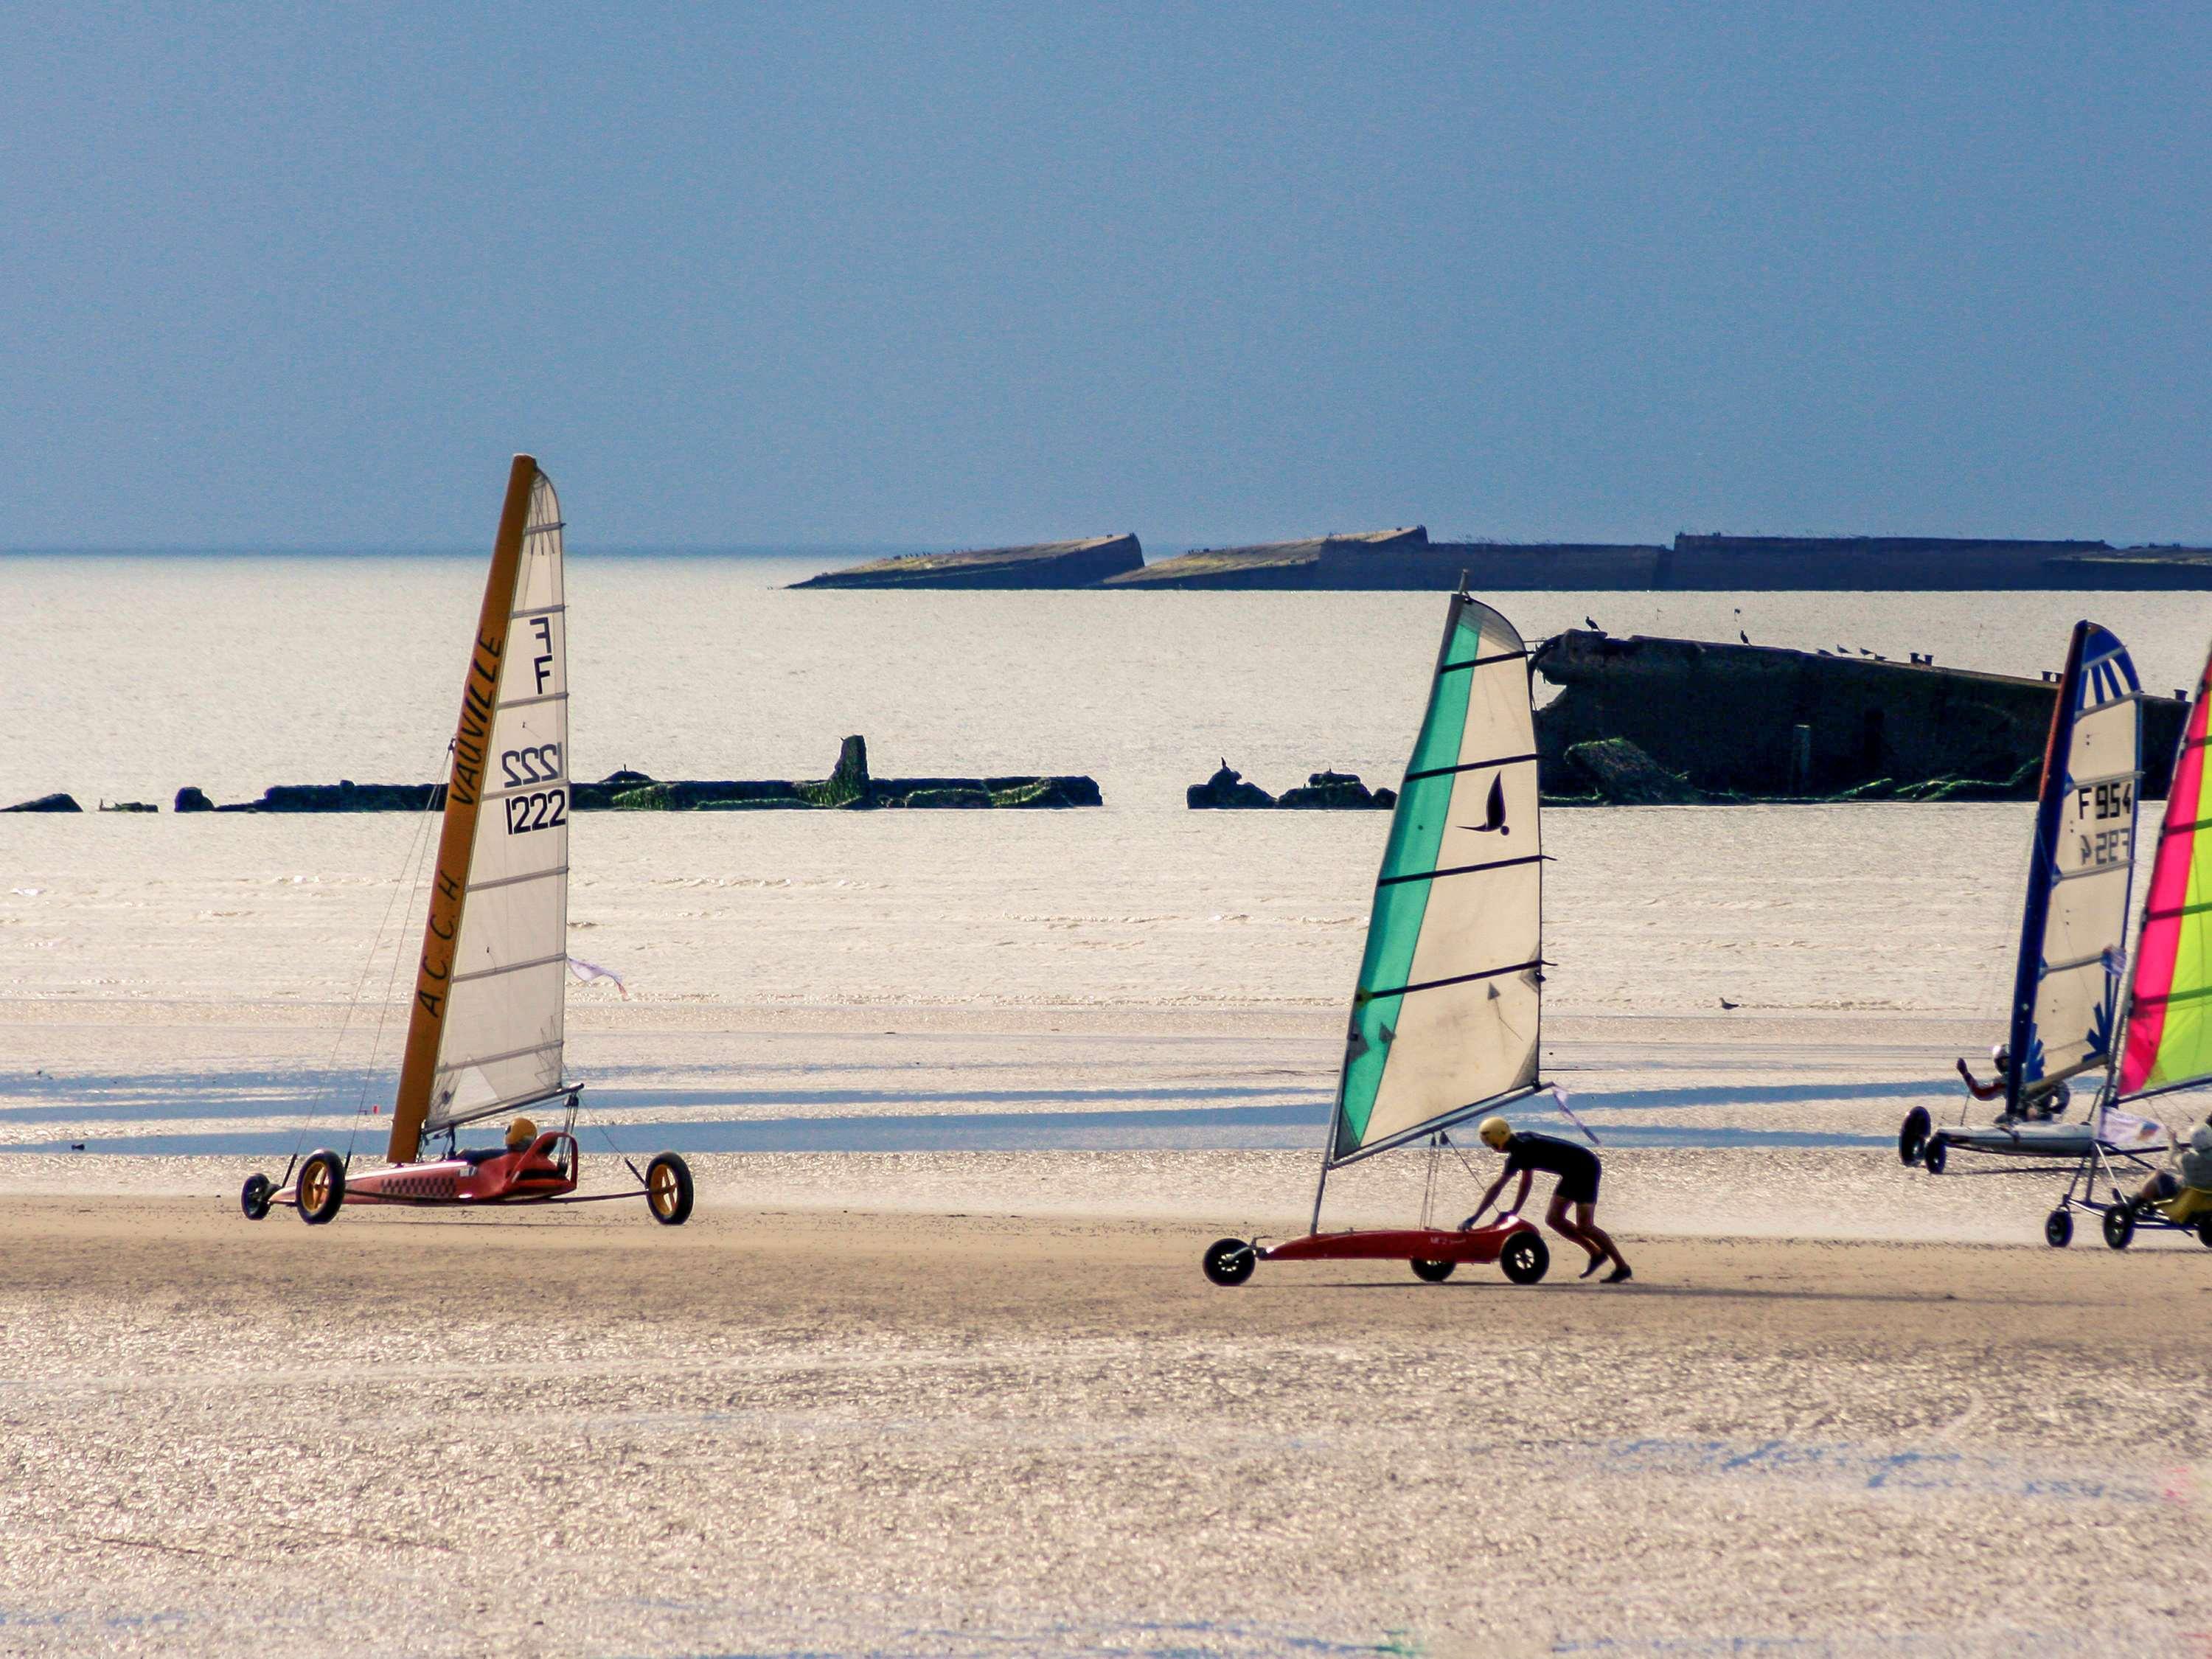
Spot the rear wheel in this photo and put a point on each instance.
(321, 1189)
(2058, 1229)
(1229, 1261)
(253, 1197)
(1525, 1258)
(2119, 1226)
(1933, 1155)
(1913, 1135)
(2204, 1232)
(668, 1189)
(1434, 1273)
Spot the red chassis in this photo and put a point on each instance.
(1432, 1252)
(544, 1172)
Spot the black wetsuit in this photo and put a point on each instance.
(1576, 1167)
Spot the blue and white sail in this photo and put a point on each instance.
(2072, 966)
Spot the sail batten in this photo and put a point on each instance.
(1462, 870)
(1445, 1017)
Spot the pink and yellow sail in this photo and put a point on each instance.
(2169, 1029)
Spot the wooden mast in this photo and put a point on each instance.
(465, 785)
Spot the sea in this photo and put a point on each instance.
(1139, 976)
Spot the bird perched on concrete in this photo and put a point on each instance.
(1745, 637)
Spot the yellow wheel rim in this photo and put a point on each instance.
(660, 1191)
(314, 1188)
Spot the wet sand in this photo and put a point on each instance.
(804, 1429)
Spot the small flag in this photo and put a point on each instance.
(1560, 1099)
(588, 971)
(2126, 1130)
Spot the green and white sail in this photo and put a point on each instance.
(1444, 1021)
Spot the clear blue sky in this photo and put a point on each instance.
(954, 274)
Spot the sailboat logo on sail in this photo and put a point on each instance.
(1493, 811)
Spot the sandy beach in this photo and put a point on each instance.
(798, 1428)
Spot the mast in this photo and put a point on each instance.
(464, 788)
(2035, 914)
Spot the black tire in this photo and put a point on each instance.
(1933, 1155)
(2204, 1232)
(1525, 1258)
(253, 1197)
(1229, 1261)
(2120, 1226)
(2058, 1228)
(668, 1189)
(1913, 1135)
(320, 1189)
(1433, 1272)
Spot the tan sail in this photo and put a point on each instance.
(466, 782)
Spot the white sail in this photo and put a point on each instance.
(501, 1040)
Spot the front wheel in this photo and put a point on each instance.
(2120, 1226)
(1433, 1272)
(668, 1189)
(1933, 1155)
(1525, 1258)
(253, 1197)
(1913, 1135)
(2058, 1229)
(321, 1187)
(1229, 1261)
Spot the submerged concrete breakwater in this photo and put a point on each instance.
(1405, 558)
(849, 787)
(1734, 722)
(1664, 722)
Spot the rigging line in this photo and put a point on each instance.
(332, 1090)
(410, 879)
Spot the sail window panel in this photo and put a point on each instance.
(2088, 917)
(523, 921)
(2104, 741)
(1477, 922)
(2074, 1014)
(1451, 1047)
(502, 1040)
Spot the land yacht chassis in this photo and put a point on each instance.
(546, 1171)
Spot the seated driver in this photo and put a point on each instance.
(2186, 1196)
(519, 1134)
(2051, 1103)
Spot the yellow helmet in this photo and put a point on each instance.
(1494, 1132)
(520, 1133)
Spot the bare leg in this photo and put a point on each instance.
(1556, 1219)
(1586, 1223)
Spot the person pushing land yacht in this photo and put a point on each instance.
(1578, 1171)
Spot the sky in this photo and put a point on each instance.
(930, 274)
